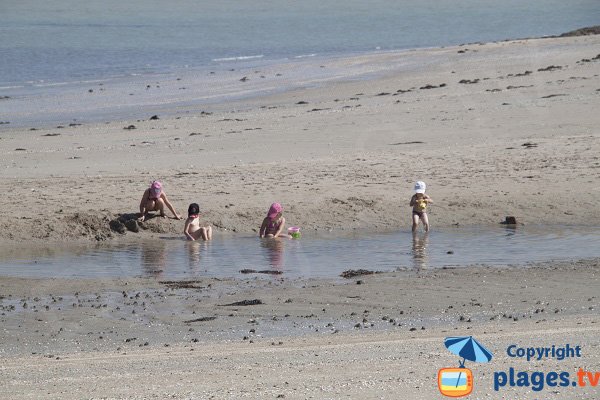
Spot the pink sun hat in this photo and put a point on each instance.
(274, 210)
(155, 189)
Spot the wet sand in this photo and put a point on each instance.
(371, 336)
(495, 129)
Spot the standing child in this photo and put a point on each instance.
(192, 229)
(272, 226)
(419, 203)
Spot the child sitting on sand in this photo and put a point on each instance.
(419, 203)
(155, 199)
(192, 229)
(273, 224)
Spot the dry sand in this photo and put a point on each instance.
(513, 143)
(519, 136)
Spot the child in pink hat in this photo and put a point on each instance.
(155, 199)
(273, 224)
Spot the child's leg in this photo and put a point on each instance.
(415, 222)
(202, 231)
(209, 232)
(426, 222)
(196, 234)
(150, 205)
(160, 206)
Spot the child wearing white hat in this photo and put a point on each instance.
(419, 203)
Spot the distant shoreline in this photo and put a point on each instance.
(589, 30)
(34, 108)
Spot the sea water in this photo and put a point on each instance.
(50, 50)
(314, 255)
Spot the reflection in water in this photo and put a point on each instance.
(153, 257)
(224, 256)
(511, 230)
(193, 249)
(419, 249)
(274, 250)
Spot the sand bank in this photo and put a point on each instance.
(495, 129)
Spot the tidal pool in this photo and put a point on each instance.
(313, 255)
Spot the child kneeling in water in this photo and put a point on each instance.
(192, 229)
(419, 203)
(274, 223)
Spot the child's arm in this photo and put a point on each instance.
(143, 203)
(412, 200)
(281, 226)
(428, 199)
(186, 228)
(168, 203)
(263, 228)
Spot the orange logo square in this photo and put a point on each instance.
(455, 382)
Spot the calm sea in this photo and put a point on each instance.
(49, 43)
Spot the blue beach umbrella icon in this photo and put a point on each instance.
(469, 349)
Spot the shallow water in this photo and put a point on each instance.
(310, 256)
(66, 40)
(65, 61)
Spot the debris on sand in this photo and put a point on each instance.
(351, 273)
(529, 145)
(243, 303)
(253, 271)
(202, 319)
(550, 68)
(430, 86)
(413, 142)
(183, 284)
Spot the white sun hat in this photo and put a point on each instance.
(420, 187)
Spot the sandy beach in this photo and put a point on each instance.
(497, 129)
(375, 336)
(517, 137)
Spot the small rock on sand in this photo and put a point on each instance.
(351, 273)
